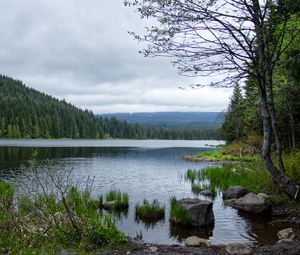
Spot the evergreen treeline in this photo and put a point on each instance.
(243, 116)
(27, 113)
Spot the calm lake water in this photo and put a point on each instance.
(145, 169)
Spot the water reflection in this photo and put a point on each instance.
(180, 233)
(143, 173)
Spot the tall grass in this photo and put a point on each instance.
(43, 223)
(149, 210)
(251, 175)
(121, 200)
(178, 214)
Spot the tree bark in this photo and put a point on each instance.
(287, 185)
(273, 118)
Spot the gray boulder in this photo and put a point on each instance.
(250, 203)
(286, 235)
(196, 241)
(234, 192)
(200, 212)
(238, 249)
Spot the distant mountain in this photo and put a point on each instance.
(191, 120)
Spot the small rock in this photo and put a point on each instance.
(196, 241)
(234, 192)
(250, 203)
(286, 233)
(206, 192)
(238, 249)
(153, 249)
(263, 195)
(286, 240)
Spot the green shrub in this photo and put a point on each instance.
(148, 210)
(178, 214)
(292, 165)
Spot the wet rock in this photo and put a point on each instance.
(206, 192)
(286, 240)
(238, 249)
(153, 249)
(234, 192)
(196, 241)
(286, 234)
(200, 211)
(250, 203)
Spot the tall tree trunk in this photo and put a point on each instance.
(273, 118)
(288, 185)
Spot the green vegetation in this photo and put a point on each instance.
(46, 224)
(251, 175)
(120, 200)
(149, 211)
(178, 214)
(222, 155)
(292, 165)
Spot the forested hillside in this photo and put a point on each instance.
(190, 120)
(27, 113)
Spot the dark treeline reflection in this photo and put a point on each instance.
(11, 158)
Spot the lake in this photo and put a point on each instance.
(145, 169)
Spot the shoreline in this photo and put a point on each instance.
(210, 160)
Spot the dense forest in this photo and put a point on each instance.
(27, 113)
(243, 118)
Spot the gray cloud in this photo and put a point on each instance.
(80, 50)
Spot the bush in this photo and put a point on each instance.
(292, 164)
(148, 210)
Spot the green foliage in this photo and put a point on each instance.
(46, 223)
(121, 200)
(148, 210)
(292, 164)
(178, 214)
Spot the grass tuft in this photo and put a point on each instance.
(148, 210)
(121, 200)
(178, 214)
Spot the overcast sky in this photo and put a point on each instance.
(80, 50)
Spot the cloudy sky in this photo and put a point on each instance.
(80, 50)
